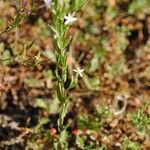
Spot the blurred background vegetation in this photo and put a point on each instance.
(109, 107)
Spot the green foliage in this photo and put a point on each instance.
(50, 106)
(43, 121)
(116, 69)
(140, 119)
(81, 144)
(123, 29)
(38, 135)
(98, 54)
(122, 32)
(43, 26)
(50, 55)
(92, 83)
(92, 147)
(34, 83)
(2, 22)
(93, 29)
(62, 142)
(147, 72)
(77, 4)
(104, 111)
(20, 57)
(89, 122)
(41, 103)
(129, 145)
(15, 23)
(111, 13)
(59, 27)
(96, 120)
(6, 57)
(138, 6)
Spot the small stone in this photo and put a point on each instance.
(88, 132)
(114, 123)
(118, 145)
(137, 102)
(53, 131)
(76, 132)
(146, 143)
(105, 139)
(92, 137)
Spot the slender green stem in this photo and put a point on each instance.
(63, 10)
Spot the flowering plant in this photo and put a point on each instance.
(63, 17)
(63, 12)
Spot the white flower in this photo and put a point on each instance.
(69, 19)
(47, 2)
(79, 71)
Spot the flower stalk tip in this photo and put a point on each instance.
(47, 3)
(69, 19)
(79, 71)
